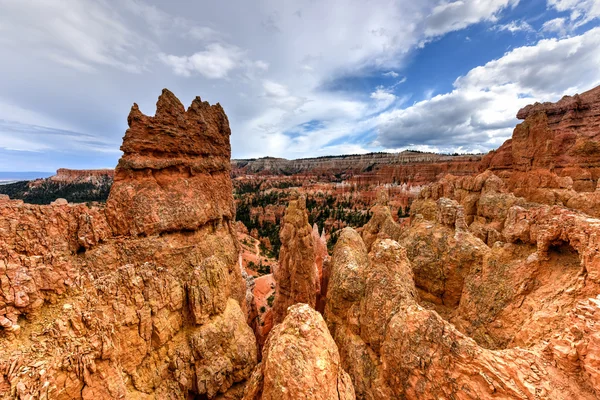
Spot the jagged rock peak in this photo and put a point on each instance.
(175, 171)
(297, 276)
(201, 130)
(578, 102)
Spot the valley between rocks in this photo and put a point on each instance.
(488, 287)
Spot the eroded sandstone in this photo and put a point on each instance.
(141, 299)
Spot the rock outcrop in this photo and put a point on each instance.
(174, 173)
(393, 347)
(553, 156)
(381, 225)
(82, 175)
(322, 260)
(296, 277)
(141, 299)
(300, 361)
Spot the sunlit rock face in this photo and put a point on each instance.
(553, 157)
(300, 361)
(492, 289)
(174, 173)
(297, 276)
(143, 298)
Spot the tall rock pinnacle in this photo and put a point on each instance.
(174, 173)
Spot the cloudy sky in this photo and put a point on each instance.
(298, 78)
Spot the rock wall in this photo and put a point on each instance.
(408, 166)
(143, 298)
(553, 156)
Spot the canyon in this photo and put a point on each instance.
(404, 276)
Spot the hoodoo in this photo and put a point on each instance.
(297, 277)
(143, 298)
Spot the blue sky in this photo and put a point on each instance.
(296, 78)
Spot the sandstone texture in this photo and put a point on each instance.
(394, 345)
(553, 156)
(382, 224)
(174, 174)
(143, 298)
(297, 276)
(300, 361)
(82, 175)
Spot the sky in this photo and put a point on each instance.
(297, 79)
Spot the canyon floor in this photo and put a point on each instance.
(188, 275)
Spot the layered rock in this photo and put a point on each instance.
(552, 156)
(407, 166)
(143, 299)
(174, 173)
(296, 277)
(300, 361)
(82, 175)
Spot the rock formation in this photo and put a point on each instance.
(300, 361)
(296, 277)
(553, 156)
(407, 166)
(143, 298)
(393, 347)
(381, 225)
(322, 264)
(82, 175)
(174, 173)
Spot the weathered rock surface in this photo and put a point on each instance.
(381, 225)
(296, 277)
(82, 175)
(300, 361)
(174, 173)
(553, 155)
(322, 261)
(141, 299)
(408, 351)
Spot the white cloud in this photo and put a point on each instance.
(78, 34)
(479, 114)
(392, 74)
(556, 25)
(452, 16)
(215, 62)
(383, 97)
(581, 11)
(515, 26)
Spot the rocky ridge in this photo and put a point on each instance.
(553, 156)
(81, 175)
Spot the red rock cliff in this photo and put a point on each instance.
(81, 175)
(562, 138)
